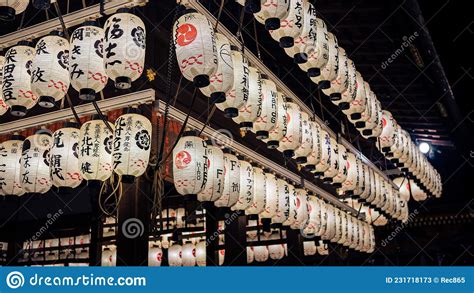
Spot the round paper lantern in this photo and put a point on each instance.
(188, 252)
(34, 169)
(261, 253)
(230, 194)
(131, 145)
(276, 251)
(3, 107)
(279, 132)
(64, 163)
(267, 118)
(366, 184)
(155, 256)
(294, 130)
(259, 193)
(342, 166)
(109, 257)
(341, 82)
(345, 98)
(222, 80)
(326, 150)
(190, 164)
(175, 256)
(239, 94)
(373, 126)
(333, 169)
(305, 42)
(248, 113)
(50, 69)
(315, 156)
(319, 50)
(246, 186)
(250, 255)
(16, 85)
(306, 147)
(283, 206)
(251, 6)
(314, 220)
(343, 225)
(309, 248)
(330, 222)
(292, 210)
(124, 48)
(358, 104)
(353, 169)
(330, 70)
(339, 229)
(366, 115)
(201, 254)
(302, 209)
(214, 187)
(95, 150)
(291, 27)
(86, 65)
(10, 154)
(10, 8)
(272, 12)
(271, 196)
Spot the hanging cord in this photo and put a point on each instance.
(61, 20)
(321, 105)
(102, 116)
(219, 15)
(239, 34)
(68, 98)
(257, 44)
(116, 194)
(209, 116)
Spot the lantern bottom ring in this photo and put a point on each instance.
(7, 13)
(314, 72)
(300, 58)
(360, 124)
(246, 125)
(344, 106)
(324, 84)
(46, 102)
(367, 132)
(253, 6)
(335, 96)
(201, 80)
(231, 112)
(273, 144)
(123, 82)
(262, 134)
(18, 111)
(288, 153)
(272, 24)
(217, 97)
(301, 160)
(287, 42)
(356, 116)
(309, 168)
(87, 94)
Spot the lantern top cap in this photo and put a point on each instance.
(234, 48)
(57, 33)
(123, 10)
(190, 132)
(182, 10)
(25, 43)
(44, 131)
(17, 136)
(98, 117)
(71, 124)
(263, 76)
(90, 23)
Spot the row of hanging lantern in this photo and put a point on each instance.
(72, 154)
(305, 38)
(42, 74)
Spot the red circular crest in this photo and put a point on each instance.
(186, 34)
(384, 122)
(182, 160)
(298, 202)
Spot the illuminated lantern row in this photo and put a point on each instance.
(196, 50)
(3, 106)
(86, 62)
(10, 8)
(50, 69)
(272, 12)
(10, 154)
(35, 175)
(124, 48)
(291, 27)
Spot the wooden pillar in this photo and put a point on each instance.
(212, 236)
(95, 248)
(235, 239)
(295, 247)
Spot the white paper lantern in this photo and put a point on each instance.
(155, 256)
(305, 42)
(261, 253)
(306, 147)
(319, 52)
(95, 150)
(276, 251)
(109, 257)
(175, 256)
(341, 82)
(10, 154)
(188, 252)
(279, 132)
(315, 156)
(259, 193)
(190, 164)
(3, 107)
(34, 169)
(330, 70)
(64, 162)
(10, 8)
(302, 209)
(16, 85)
(283, 206)
(333, 169)
(349, 94)
(214, 187)
(201, 254)
(291, 27)
(309, 248)
(342, 166)
(267, 118)
(272, 12)
(314, 220)
(271, 196)
(358, 104)
(124, 48)
(50, 69)
(293, 207)
(294, 130)
(326, 150)
(222, 80)
(248, 113)
(246, 186)
(353, 169)
(86, 65)
(239, 94)
(131, 145)
(250, 255)
(231, 193)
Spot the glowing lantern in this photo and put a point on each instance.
(259, 193)
(246, 186)
(248, 113)
(250, 254)
(214, 187)
(109, 257)
(261, 253)
(294, 130)
(271, 193)
(279, 132)
(333, 169)
(318, 53)
(314, 216)
(190, 164)
(330, 222)
(302, 209)
(201, 254)
(330, 70)
(124, 48)
(34, 170)
(366, 114)
(155, 256)
(131, 145)
(306, 147)
(345, 98)
(3, 106)
(251, 6)
(64, 163)
(175, 256)
(16, 85)
(230, 195)
(315, 156)
(188, 255)
(291, 27)
(305, 42)
(309, 248)
(342, 166)
(353, 169)
(267, 120)
(373, 126)
(239, 94)
(50, 69)
(272, 12)
(283, 206)
(326, 150)
(358, 104)
(95, 150)
(223, 79)
(341, 82)
(86, 65)
(10, 154)
(293, 207)
(276, 251)
(10, 8)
